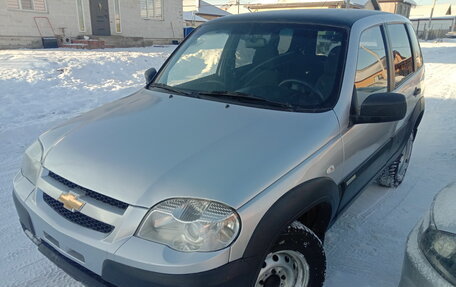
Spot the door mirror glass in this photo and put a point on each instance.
(149, 75)
(382, 108)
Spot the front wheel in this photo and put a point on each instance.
(296, 260)
(393, 175)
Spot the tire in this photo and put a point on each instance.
(296, 260)
(393, 175)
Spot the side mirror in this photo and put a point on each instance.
(149, 74)
(381, 108)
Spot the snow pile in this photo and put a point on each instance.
(40, 88)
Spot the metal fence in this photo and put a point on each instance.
(439, 27)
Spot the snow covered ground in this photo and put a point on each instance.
(39, 88)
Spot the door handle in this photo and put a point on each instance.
(417, 91)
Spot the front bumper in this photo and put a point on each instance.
(416, 269)
(115, 274)
(120, 258)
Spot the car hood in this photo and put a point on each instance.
(443, 209)
(148, 147)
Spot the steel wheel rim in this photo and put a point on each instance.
(284, 268)
(405, 159)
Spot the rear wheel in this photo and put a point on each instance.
(296, 260)
(393, 175)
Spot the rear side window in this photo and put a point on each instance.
(372, 68)
(401, 52)
(416, 47)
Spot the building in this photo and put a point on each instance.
(203, 9)
(401, 7)
(234, 7)
(443, 20)
(312, 4)
(193, 20)
(23, 23)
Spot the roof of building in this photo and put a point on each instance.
(424, 11)
(209, 9)
(411, 2)
(233, 8)
(191, 16)
(333, 17)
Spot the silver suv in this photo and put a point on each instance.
(231, 164)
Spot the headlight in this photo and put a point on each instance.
(31, 163)
(191, 225)
(439, 247)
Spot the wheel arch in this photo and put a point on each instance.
(316, 195)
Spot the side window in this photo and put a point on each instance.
(402, 52)
(372, 68)
(416, 47)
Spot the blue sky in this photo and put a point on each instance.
(420, 2)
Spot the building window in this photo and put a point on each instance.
(151, 9)
(29, 5)
(80, 10)
(117, 15)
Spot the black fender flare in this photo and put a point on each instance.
(292, 205)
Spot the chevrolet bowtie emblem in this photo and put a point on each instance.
(71, 202)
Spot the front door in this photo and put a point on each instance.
(99, 15)
(367, 146)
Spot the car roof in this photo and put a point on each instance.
(331, 17)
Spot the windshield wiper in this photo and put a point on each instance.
(244, 97)
(170, 89)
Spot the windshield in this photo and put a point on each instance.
(280, 65)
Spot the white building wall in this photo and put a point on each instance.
(18, 28)
(61, 14)
(133, 25)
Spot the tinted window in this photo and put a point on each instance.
(402, 53)
(276, 62)
(416, 47)
(372, 68)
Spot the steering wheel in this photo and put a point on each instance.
(309, 89)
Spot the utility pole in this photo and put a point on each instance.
(430, 21)
(238, 3)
